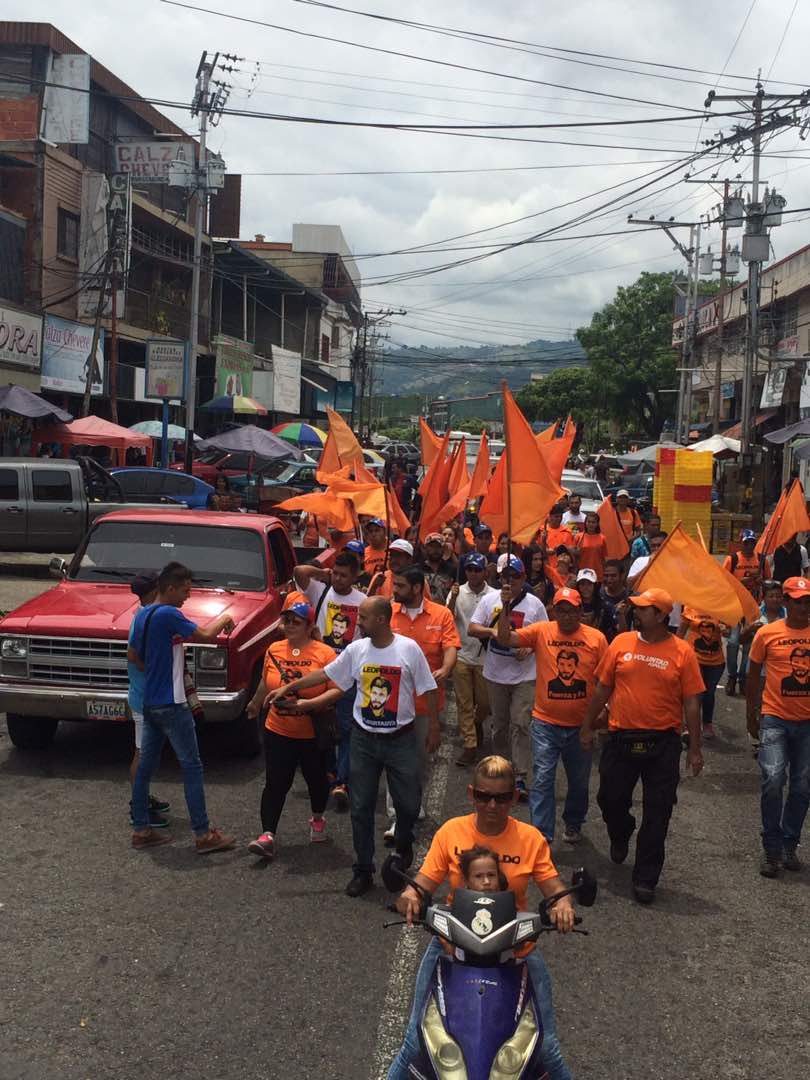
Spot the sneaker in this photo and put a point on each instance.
(619, 850)
(731, 685)
(645, 894)
(160, 806)
(360, 883)
(317, 830)
(214, 840)
(156, 820)
(264, 846)
(468, 756)
(389, 836)
(770, 865)
(523, 793)
(340, 793)
(709, 732)
(791, 860)
(571, 835)
(141, 841)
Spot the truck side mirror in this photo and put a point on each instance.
(57, 568)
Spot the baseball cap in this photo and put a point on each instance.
(623, 491)
(298, 604)
(654, 598)
(378, 522)
(482, 528)
(402, 545)
(567, 596)
(476, 561)
(434, 538)
(144, 583)
(747, 534)
(796, 587)
(357, 546)
(586, 574)
(511, 562)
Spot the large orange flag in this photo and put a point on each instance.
(329, 461)
(336, 512)
(531, 487)
(684, 569)
(547, 434)
(480, 477)
(348, 447)
(610, 527)
(435, 490)
(430, 443)
(789, 517)
(460, 474)
(492, 510)
(557, 451)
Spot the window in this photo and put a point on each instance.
(336, 337)
(177, 485)
(52, 485)
(9, 485)
(281, 555)
(325, 345)
(67, 234)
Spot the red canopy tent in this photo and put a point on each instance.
(92, 431)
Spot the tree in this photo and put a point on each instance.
(567, 390)
(630, 354)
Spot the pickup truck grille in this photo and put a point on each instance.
(87, 662)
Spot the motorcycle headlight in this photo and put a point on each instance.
(212, 659)
(14, 648)
(445, 1053)
(512, 1057)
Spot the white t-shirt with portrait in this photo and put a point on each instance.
(501, 665)
(387, 681)
(337, 616)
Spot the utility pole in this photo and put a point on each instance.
(102, 297)
(754, 274)
(721, 312)
(373, 318)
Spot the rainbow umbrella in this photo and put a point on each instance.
(236, 404)
(300, 434)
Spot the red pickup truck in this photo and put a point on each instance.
(63, 654)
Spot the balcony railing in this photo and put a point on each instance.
(150, 312)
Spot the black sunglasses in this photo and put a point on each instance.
(500, 797)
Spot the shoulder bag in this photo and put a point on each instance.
(324, 721)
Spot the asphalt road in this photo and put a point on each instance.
(116, 965)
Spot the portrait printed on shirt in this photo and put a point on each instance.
(566, 686)
(797, 684)
(706, 642)
(516, 619)
(338, 630)
(379, 685)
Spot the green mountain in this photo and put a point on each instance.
(465, 371)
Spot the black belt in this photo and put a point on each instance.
(395, 734)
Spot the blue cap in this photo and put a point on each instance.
(482, 528)
(747, 534)
(378, 522)
(515, 565)
(357, 546)
(303, 611)
(476, 561)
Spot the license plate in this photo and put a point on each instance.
(106, 710)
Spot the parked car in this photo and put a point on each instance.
(212, 462)
(47, 504)
(63, 654)
(138, 484)
(589, 490)
(401, 451)
(639, 487)
(278, 481)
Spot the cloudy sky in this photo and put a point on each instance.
(441, 187)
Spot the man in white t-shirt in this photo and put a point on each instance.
(336, 599)
(643, 561)
(388, 671)
(472, 700)
(510, 674)
(574, 518)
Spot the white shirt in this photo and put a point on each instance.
(335, 606)
(501, 665)
(387, 680)
(569, 518)
(472, 650)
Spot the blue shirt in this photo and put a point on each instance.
(640, 547)
(136, 676)
(163, 663)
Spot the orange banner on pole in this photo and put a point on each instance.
(611, 529)
(435, 489)
(557, 451)
(547, 434)
(479, 481)
(789, 517)
(531, 489)
(325, 505)
(492, 510)
(429, 443)
(347, 445)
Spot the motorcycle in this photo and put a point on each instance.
(482, 1016)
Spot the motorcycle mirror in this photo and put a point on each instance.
(393, 875)
(586, 886)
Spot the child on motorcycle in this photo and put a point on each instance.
(481, 871)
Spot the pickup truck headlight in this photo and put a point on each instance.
(212, 659)
(14, 648)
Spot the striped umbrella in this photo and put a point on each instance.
(301, 434)
(236, 404)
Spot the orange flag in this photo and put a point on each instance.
(430, 443)
(460, 474)
(557, 451)
(325, 505)
(348, 447)
(692, 576)
(547, 434)
(329, 461)
(435, 490)
(532, 489)
(480, 477)
(611, 529)
(492, 510)
(789, 517)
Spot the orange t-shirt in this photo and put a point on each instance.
(747, 570)
(566, 670)
(649, 681)
(706, 638)
(786, 655)
(313, 655)
(592, 548)
(629, 521)
(554, 537)
(434, 630)
(373, 559)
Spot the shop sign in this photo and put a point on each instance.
(165, 376)
(20, 338)
(66, 356)
(149, 162)
(234, 366)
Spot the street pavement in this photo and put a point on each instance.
(116, 965)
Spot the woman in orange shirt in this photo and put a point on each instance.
(289, 737)
(591, 546)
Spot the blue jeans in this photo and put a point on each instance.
(732, 650)
(711, 677)
(175, 723)
(552, 1059)
(550, 742)
(343, 709)
(399, 756)
(784, 755)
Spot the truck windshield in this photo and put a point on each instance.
(218, 558)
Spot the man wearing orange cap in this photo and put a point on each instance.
(783, 647)
(567, 654)
(651, 679)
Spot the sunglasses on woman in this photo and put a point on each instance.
(500, 797)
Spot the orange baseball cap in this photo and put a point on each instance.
(567, 596)
(796, 587)
(654, 598)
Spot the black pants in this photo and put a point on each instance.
(618, 776)
(282, 757)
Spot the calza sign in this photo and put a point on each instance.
(66, 356)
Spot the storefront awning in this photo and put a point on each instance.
(735, 432)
